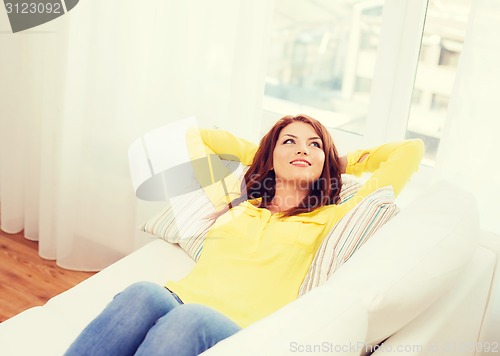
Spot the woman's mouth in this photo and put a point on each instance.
(300, 163)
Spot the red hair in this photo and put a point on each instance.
(324, 191)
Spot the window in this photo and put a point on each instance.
(372, 70)
(322, 60)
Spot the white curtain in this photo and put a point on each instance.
(470, 147)
(75, 92)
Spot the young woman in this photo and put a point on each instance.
(259, 249)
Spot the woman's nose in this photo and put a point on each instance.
(303, 150)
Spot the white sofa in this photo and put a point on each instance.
(422, 283)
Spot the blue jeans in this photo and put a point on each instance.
(147, 319)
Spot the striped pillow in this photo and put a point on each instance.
(350, 186)
(184, 221)
(349, 234)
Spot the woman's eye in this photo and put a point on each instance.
(289, 140)
(316, 144)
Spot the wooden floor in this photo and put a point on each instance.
(26, 279)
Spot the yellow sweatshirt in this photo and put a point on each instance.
(253, 262)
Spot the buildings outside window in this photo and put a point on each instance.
(323, 56)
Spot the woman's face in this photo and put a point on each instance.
(298, 155)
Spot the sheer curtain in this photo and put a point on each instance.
(469, 149)
(77, 91)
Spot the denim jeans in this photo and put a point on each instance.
(147, 319)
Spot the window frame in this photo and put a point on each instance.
(395, 69)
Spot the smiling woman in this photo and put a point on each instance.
(258, 250)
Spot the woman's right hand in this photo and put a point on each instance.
(343, 164)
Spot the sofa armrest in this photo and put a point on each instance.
(325, 320)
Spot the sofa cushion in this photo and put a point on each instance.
(463, 305)
(413, 260)
(348, 235)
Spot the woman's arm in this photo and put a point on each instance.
(390, 164)
(205, 145)
(227, 146)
